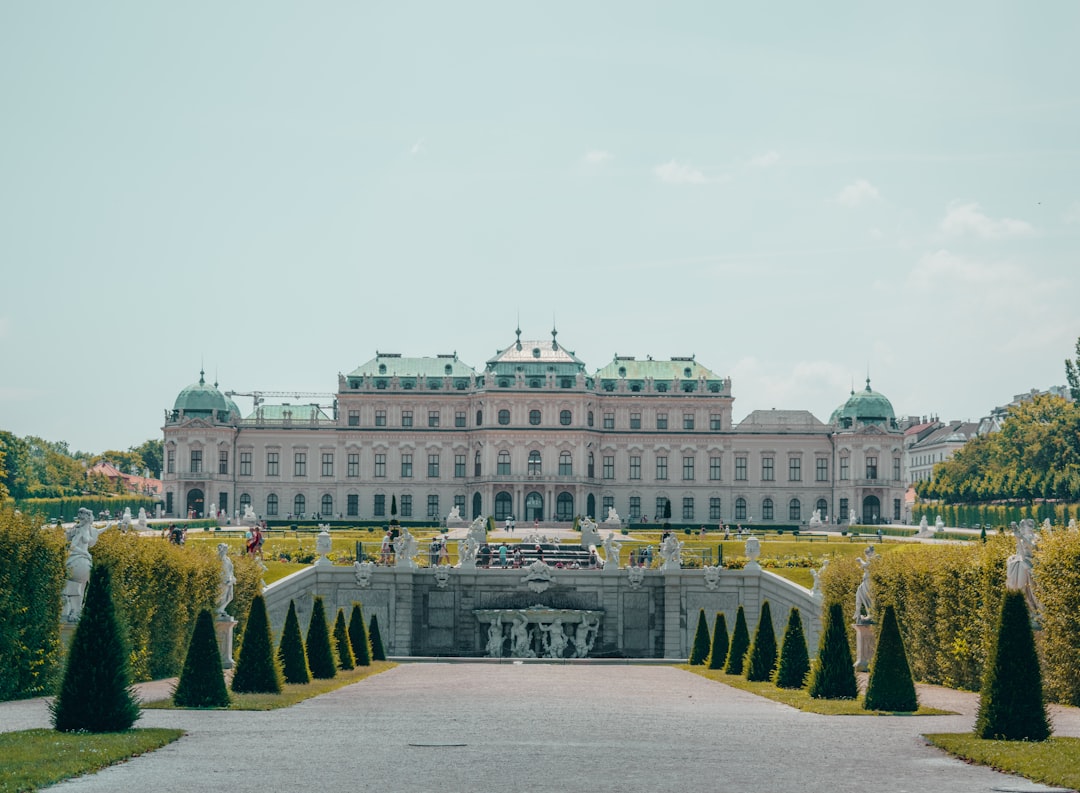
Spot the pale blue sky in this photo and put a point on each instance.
(790, 191)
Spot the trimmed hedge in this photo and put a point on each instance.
(700, 651)
(202, 683)
(378, 652)
(833, 675)
(762, 659)
(794, 657)
(740, 643)
(358, 636)
(890, 686)
(291, 653)
(346, 660)
(719, 650)
(320, 654)
(68, 507)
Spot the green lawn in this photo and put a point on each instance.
(32, 759)
(1053, 762)
(291, 694)
(799, 698)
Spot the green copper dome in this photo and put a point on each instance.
(201, 399)
(867, 406)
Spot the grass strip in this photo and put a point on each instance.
(1052, 762)
(799, 698)
(291, 694)
(31, 759)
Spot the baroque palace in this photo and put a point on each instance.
(532, 436)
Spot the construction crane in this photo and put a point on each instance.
(258, 397)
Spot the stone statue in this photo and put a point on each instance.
(924, 529)
(249, 514)
(816, 591)
(864, 603)
(142, 518)
(939, 524)
(589, 535)
(520, 641)
(125, 519)
(815, 519)
(612, 516)
(671, 553)
(467, 550)
(712, 577)
(227, 587)
(584, 636)
(753, 550)
(495, 639)
(405, 549)
(851, 517)
(1072, 524)
(83, 536)
(1018, 566)
(324, 544)
(454, 516)
(611, 550)
(212, 512)
(1047, 526)
(555, 641)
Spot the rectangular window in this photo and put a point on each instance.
(353, 463)
(170, 463)
(196, 461)
(380, 466)
(459, 502)
(740, 509)
(635, 467)
(406, 466)
(433, 466)
(607, 503)
(688, 469)
(223, 462)
(380, 418)
(843, 509)
(661, 467)
(767, 509)
(406, 506)
(609, 467)
(609, 421)
(896, 509)
(502, 465)
(168, 503)
(661, 421)
(406, 418)
(794, 469)
(433, 506)
(566, 465)
(871, 467)
(714, 469)
(844, 468)
(459, 466)
(688, 508)
(714, 509)
(459, 418)
(354, 418)
(822, 474)
(327, 463)
(379, 508)
(245, 463)
(687, 421)
(271, 463)
(352, 505)
(271, 504)
(663, 509)
(635, 507)
(635, 421)
(715, 422)
(433, 418)
(300, 464)
(223, 503)
(740, 469)
(768, 473)
(896, 469)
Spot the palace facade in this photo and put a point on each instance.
(536, 436)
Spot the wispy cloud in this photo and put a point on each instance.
(598, 157)
(765, 160)
(997, 284)
(418, 148)
(858, 193)
(970, 219)
(679, 173)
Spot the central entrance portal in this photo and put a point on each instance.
(534, 507)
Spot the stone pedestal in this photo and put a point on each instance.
(864, 645)
(224, 629)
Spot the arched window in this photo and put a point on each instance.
(566, 465)
(794, 509)
(271, 504)
(767, 509)
(504, 506)
(299, 504)
(564, 506)
(590, 418)
(479, 417)
(534, 507)
(822, 507)
(564, 418)
(534, 463)
(504, 416)
(245, 502)
(534, 417)
(504, 464)
(327, 506)
(740, 509)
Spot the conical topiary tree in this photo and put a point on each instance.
(1011, 705)
(202, 684)
(761, 661)
(341, 642)
(257, 670)
(890, 686)
(794, 657)
(95, 694)
(718, 651)
(378, 652)
(740, 643)
(358, 636)
(700, 651)
(833, 676)
(291, 652)
(320, 653)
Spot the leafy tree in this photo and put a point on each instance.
(346, 660)
(1072, 374)
(740, 643)
(152, 453)
(700, 650)
(794, 657)
(291, 653)
(320, 653)
(891, 686)
(833, 676)
(762, 658)
(378, 652)
(719, 650)
(257, 670)
(202, 684)
(96, 695)
(1011, 705)
(358, 636)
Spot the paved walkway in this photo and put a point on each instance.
(473, 727)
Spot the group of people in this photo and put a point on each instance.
(438, 554)
(253, 541)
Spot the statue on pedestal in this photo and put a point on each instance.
(1018, 567)
(82, 536)
(611, 551)
(227, 587)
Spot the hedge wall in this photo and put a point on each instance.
(994, 515)
(32, 577)
(67, 508)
